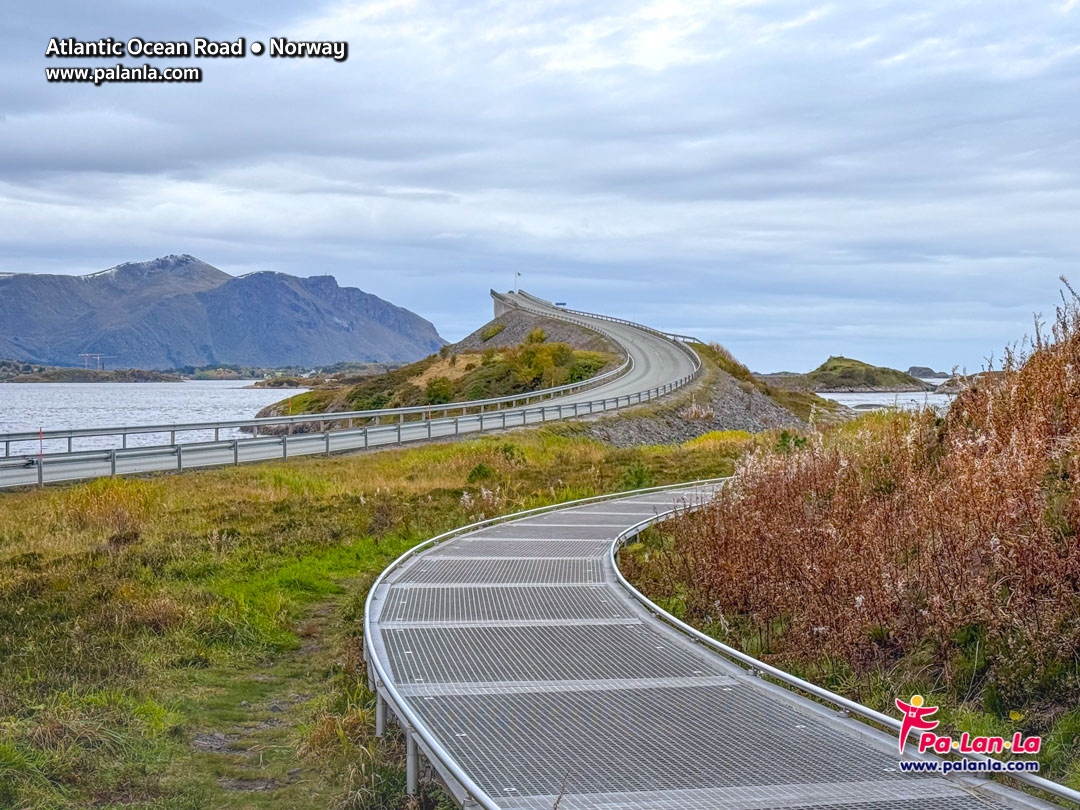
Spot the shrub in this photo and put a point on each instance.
(491, 331)
(438, 391)
(637, 476)
(481, 472)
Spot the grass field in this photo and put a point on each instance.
(194, 641)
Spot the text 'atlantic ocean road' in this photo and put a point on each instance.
(199, 48)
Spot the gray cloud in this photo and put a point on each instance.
(893, 181)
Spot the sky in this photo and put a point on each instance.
(892, 181)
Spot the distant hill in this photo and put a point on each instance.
(179, 311)
(841, 374)
(91, 375)
(927, 373)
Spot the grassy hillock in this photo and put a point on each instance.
(844, 373)
(193, 641)
(839, 374)
(455, 377)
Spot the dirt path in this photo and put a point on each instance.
(249, 722)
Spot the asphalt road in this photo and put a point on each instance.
(657, 361)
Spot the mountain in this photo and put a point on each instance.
(179, 311)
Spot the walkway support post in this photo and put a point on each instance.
(412, 769)
(380, 714)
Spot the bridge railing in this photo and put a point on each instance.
(376, 415)
(190, 455)
(113, 461)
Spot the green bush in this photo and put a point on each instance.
(438, 391)
(637, 476)
(481, 472)
(491, 331)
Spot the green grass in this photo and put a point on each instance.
(136, 614)
(437, 379)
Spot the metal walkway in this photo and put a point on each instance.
(529, 676)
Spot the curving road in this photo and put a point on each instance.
(657, 361)
(530, 678)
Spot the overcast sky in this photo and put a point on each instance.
(893, 181)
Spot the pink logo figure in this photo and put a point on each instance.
(915, 715)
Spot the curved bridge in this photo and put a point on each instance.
(655, 365)
(530, 675)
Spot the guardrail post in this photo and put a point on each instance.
(69, 444)
(236, 452)
(284, 446)
(365, 438)
(412, 770)
(172, 437)
(328, 442)
(504, 419)
(481, 422)
(217, 434)
(380, 714)
(7, 449)
(112, 462)
(41, 471)
(399, 430)
(457, 427)
(429, 428)
(179, 457)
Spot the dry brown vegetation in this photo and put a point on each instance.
(940, 549)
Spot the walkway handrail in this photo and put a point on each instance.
(383, 682)
(761, 669)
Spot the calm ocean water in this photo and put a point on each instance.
(909, 401)
(29, 406)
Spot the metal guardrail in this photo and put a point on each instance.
(349, 438)
(380, 681)
(376, 414)
(761, 669)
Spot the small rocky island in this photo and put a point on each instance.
(842, 375)
(17, 372)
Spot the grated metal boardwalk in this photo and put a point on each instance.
(547, 684)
